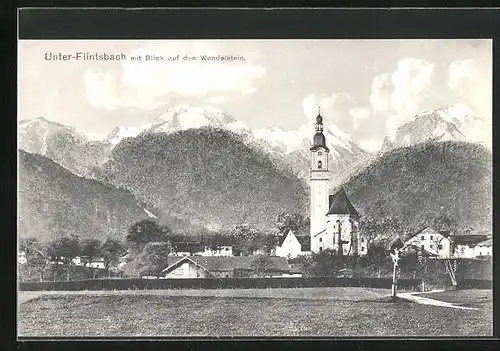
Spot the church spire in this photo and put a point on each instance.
(319, 121)
(319, 139)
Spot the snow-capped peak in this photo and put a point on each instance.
(120, 133)
(452, 122)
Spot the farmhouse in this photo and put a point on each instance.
(334, 220)
(472, 246)
(484, 248)
(220, 266)
(435, 242)
(288, 246)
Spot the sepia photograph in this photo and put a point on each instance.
(254, 188)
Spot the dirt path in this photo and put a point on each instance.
(427, 301)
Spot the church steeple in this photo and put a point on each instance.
(319, 140)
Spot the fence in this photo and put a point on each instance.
(214, 283)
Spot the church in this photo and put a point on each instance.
(334, 220)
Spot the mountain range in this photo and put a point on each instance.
(418, 184)
(207, 175)
(455, 122)
(197, 166)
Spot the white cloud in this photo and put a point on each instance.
(459, 72)
(402, 91)
(327, 104)
(473, 82)
(358, 114)
(141, 83)
(215, 100)
(104, 90)
(372, 145)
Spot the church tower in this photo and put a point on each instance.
(319, 183)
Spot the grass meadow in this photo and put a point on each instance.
(332, 312)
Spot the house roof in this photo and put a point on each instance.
(339, 203)
(181, 261)
(282, 238)
(221, 263)
(430, 230)
(487, 242)
(468, 239)
(305, 242)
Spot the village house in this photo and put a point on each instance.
(95, 263)
(292, 246)
(472, 246)
(435, 242)
(442, 244)
(221, 267)
(484, 248)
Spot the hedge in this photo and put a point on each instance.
(215, 283)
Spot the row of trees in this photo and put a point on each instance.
(64, 249)
(242, 238)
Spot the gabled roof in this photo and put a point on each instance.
(181, 261)
(282, 238)
(487, 242)
(468, 239)
(228, 263)
(305, 242)
(339, 203)
(430, 230)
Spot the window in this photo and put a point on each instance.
(320, 249)
(432, 237)
(422, 237)
(423, 247)
(320, 164)
(320, 240)
(362, 249)
(432, 246)
(362, 240)
(320, 153)
(440, 247)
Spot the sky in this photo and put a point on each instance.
(365, 87)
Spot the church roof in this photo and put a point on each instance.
(339, 203)
(319, 141)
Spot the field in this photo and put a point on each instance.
(249, 312)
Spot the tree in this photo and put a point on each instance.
(377, 257)
(65, 248)
(261, 264)
(153, 258)
(91, 249)
(270, 241)
(381, 229)
(36, 256)
(295, 222)
(146, 231)
(111, 250)
(246, 239)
